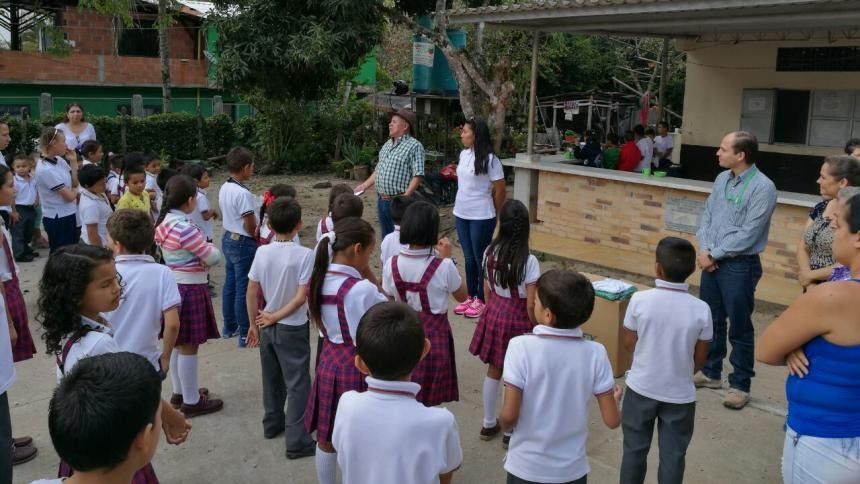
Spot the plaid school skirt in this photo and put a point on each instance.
(196, 316)
(437, 372)
(504, 318)
(336, 374)
(24, 348)
(146, 474)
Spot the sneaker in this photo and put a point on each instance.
(463, 306)
(736, 399)
(308, 451)
(242, 342)
(475, 309)
(489, 433)
(176, 398)
(506, 441)
(205, 406)
(23, 454)
(227, 334)
(22, 441)
(702, 381)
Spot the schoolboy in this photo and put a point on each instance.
(391, 245)
(105, 418)
(93, 207)
(326, 224)
(385, 434)
(26, 203)
(152, 166)
(239, 217)
(550, 376)
(670, 331)
(346, 205)
(135, 195)
(115, 187)
(205, 215)
(282, 271)
(92, 153)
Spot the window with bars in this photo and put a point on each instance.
(818, 59)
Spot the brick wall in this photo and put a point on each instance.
(629, 217)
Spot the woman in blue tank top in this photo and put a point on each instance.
(822, 440)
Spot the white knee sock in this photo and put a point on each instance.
(491, 396)
(174, 372)
(188, 378)
(326, 466)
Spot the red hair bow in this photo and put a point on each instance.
(268, 198)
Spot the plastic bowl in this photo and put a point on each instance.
(659, 174)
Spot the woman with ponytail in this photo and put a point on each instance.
(187, 253)
(338, 296)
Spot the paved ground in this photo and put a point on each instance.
(228, 447)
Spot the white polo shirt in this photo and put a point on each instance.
(93, 343)
(152, 186)
(50, 177)
(94, 209)
(266, 232)
(5, 270)
(391, 245)
(196, 217)
(236, 201)
(7, 366)
(663, 143)
(6, 208)
(532, 275)
(384, 435)
(329, 223)
(669, 322)
(558, 373)
(113, 184)
(363, 296)
(150, 290)
(474, 199)
(280, 268)
(411, 265)
(646, 148)
(25, 190)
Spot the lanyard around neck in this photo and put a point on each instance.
(737, 199)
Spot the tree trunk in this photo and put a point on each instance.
(164, 54)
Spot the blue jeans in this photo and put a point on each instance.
(383, 210)
(730, 292)
(807, 460)
(475, 236)
(238, 256)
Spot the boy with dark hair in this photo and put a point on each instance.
(152, 166)
(391, 245)
(26, 204)
(239, 217)
(346, 205)
(384, 434)
(282, 271)
(135, 195)
(669, 332)
(105, 418)
(550, 376)
(94, 209)
(92, 153)
(114, 187)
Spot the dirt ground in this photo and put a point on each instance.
(228, 447)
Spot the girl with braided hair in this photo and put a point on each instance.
(510, 275)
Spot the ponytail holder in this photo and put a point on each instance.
(268, 198)
(331, 239)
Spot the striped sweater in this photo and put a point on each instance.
(185, 249)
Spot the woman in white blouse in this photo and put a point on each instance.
(75, 127)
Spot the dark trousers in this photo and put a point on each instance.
(383, 211)
(5, 440)
(512, 479)
(674, 431)
(61, 231)
(22, 232)
(475, 236)
(730, 293)
(285, 356)
(238, 255)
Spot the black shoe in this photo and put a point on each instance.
(272, 434)
(489, 433)
(308, 451)
(25, 258)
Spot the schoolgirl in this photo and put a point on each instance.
(326, 223)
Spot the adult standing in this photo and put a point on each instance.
(8, 213)
(57, 186)
(75, 128)
(818, 338)
(814, 253)
(646, 148)
(399, 169)
(480, 195)
(663, 146)
(852, 148)
(733, 232)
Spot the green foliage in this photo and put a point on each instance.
(359, 155)
(23, 135)
(577, 63)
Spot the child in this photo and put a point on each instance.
(80, 283)
(671, 331)
(93, 208)
(204, 215)
(384, 434)
(135, 195)
(280, 273)
(189, 256)
(549, 378)
(8, 452)
(240, 222)
(510, 274)
(115, 186)
(418, 277)
(91, 153)
(57, 188)
(338, 296)
(630, 154)
(26, 201)
(346, 205)
(391, 244)
(152, 166)
(105, 418)
(611, 153)
(326, 224)
(264, 234)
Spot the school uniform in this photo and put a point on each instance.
(383, 435)
(558, 373)
(326, 224)
(5, 210)
(24, 348)
(189, 256)
(207, 226)
(345, 299)
(58, 216)
(149, 290)
(94, 209)
(135, 202)
(25, 204)
(391, 245)
(92, 339)
(152, 186)
(236, 202)
(425, 282)
(280, 268)
(264, 237)
(506, 314)
(7, 378)
(113, 184)
(669, 322)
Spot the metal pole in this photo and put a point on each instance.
(533, 97)
(590, 112)
(663, 70)
(14, 26)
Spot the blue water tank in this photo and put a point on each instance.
(430, 70)
(443, 79)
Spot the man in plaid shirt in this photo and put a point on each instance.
(399, 169)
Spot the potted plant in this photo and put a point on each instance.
(359, 158)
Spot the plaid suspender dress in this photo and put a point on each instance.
(24, 348)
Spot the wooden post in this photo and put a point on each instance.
(123, 129)
(533, 97)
